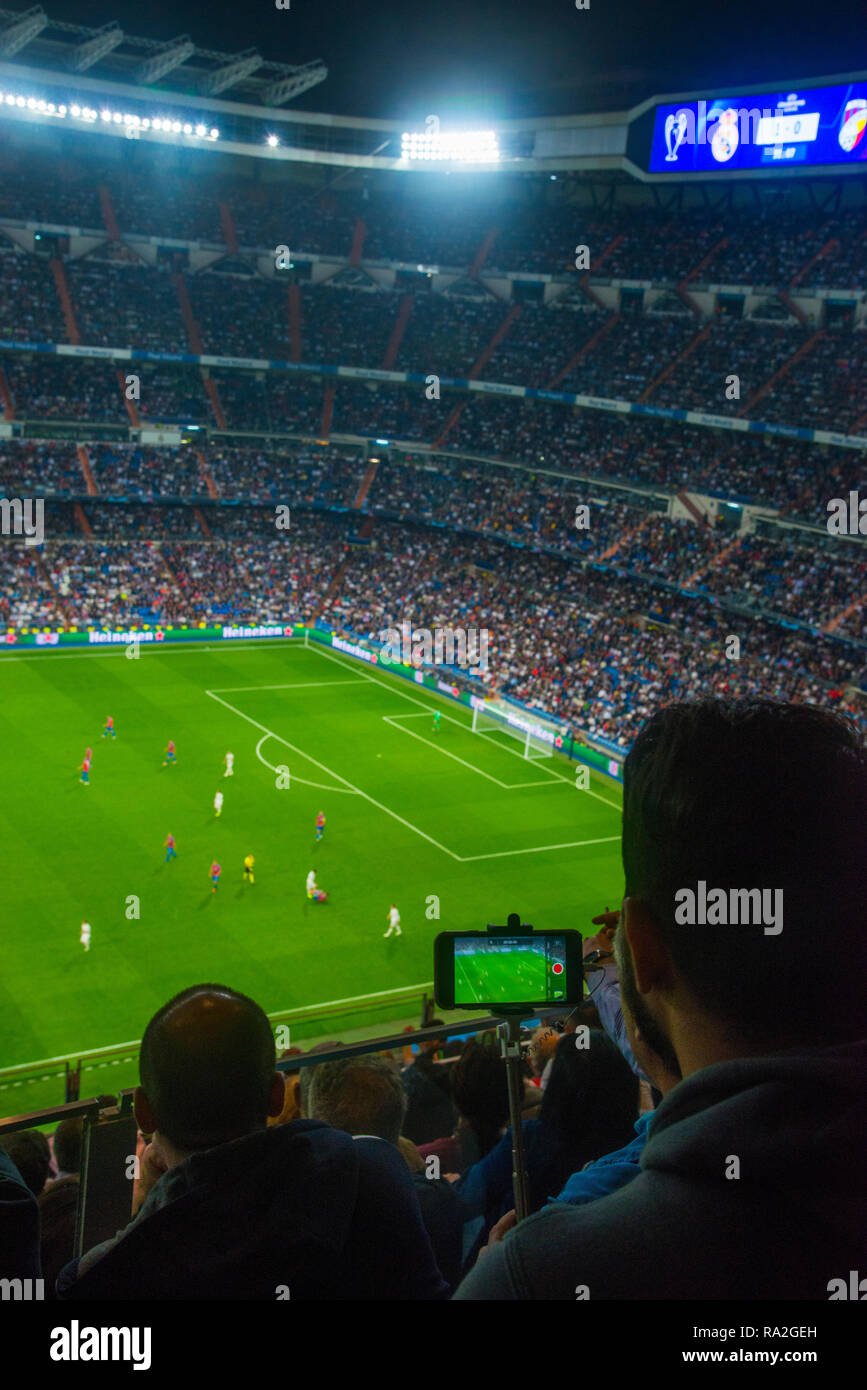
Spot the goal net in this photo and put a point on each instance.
(537, 735)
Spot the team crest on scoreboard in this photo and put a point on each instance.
(726, 137)
(853, 125)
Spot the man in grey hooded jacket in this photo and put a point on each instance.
(751, 1181)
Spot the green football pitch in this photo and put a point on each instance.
(446, 822)
(500, 976)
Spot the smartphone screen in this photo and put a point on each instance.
(476, 968)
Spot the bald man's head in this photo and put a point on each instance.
(207, 1067)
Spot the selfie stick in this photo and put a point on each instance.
(510, 1051)
(509, 1033)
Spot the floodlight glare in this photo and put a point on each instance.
(129, 120)
(474, 146)
(273, 141)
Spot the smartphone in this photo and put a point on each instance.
(502, 968)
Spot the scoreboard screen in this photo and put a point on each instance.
(813, 127)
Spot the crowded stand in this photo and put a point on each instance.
(780, 474)
(595, 675)
(747, 247)
(539, 511)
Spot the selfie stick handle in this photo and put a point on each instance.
(510, 1051)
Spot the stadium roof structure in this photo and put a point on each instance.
(114, 54)
(81, 68)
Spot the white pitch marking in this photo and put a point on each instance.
(296, 685)
(332, 773)
(320, 786)
(538, 849)
(117, 649)
(552, 772)
(507, 786)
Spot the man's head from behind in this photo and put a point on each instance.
(29, 1151)
(207, 1069)
(362, 1095)
(745, 795)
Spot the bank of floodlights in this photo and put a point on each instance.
(132, 123)
(460, 146)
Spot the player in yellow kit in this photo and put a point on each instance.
(248, 869)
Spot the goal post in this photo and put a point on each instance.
(537, 735)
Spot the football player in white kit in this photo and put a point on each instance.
(317, 894)
(229, 760)
(85, 935)
(218, 802)
(393, 920)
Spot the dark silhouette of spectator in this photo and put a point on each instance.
(228, 1208)
(480, 1091)
(430, 1112)
(29, 1151)
(58, 1205)
(589, 1107)
(738, 796)
(19, 1224)
(67, 1146)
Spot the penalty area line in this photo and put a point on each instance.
(471, 767)
(331, 773)
(539, 849)
(552, 772)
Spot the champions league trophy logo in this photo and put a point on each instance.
(675, 130)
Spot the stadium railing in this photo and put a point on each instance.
(110, 1134)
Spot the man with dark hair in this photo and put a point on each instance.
(230, 1208)
(743, 833)
(430, 1113)
(29, 1151)
(480, 1090)
(364, 1096)
(67, 1146)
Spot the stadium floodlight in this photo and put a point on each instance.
(466, 147)
(301, 80)
(104, 41)
(169, 57)
(129, 120)
(273, 141)
(23, 29)
(231, 73)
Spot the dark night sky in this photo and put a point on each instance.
(484, 60)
